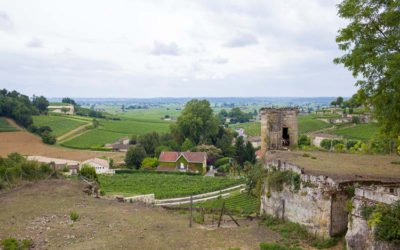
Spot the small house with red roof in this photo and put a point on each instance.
(195, 162)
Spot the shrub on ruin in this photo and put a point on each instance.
(386, 219)
(304, 140)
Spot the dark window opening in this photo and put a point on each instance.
(285, 137)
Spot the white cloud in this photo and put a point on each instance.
(141, 48)
(34, 43)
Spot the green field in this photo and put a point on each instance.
(163, 185)
(362, 132)
(111, 130)
(59, 124)
(236, 201)
(250, 128)
(5, 126)
(308, 123)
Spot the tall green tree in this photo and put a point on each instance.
(250, 153)
(240, 151)
(150, 142)
(134, 157)
(371, 41)
(196, 122)
(41, 103)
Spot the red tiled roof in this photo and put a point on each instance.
(189, 156)
(260, 153)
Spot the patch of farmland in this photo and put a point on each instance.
(59, 125)
(94, 137)
(359, 132)
(5, 126)
(111, 130)
(243, 202)
(250, 128)
(163, 185)
(309, 123)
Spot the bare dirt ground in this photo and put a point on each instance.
(343, 166)
(41, 212)
(28, 144)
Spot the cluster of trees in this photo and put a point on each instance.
(372, 52)
(354, 102)
(236, 115)
(196, 129)
(20, 107)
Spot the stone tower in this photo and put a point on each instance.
(278, 127)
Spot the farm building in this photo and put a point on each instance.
(73, 166)
(317, 138)
(101, 166)
(195, 162)
(255, 141)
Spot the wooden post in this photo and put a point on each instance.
(220, 216)
(190, 211)
(233, 218)
(283, 210)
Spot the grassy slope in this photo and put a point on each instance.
(250, 128)
(5, 126)
(359, 132)
(59, 125)
(163, 185)
(308, 123)
(109, 131)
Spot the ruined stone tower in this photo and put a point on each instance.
(278, 127)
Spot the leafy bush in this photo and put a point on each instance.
(222, 161)
(304, 140)
(74, 216)
(13, 244)
(351, 143)
(134, 156)
(102, 192)
(306, 155)
(48, 138)
(65, 169)
(386, 219)
(276, 179)
(100, 148)
(89, 172)
(340, 147)
(150, 162)
(356, 120)
(326, 143)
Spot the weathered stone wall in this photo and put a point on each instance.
(319, 204)
(273, 120)
(147, 198)
(359, 235)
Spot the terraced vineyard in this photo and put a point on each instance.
(59, 124)
(111, 130)
(163, 185)
(309, 123)
(5, 126)
(359, 132)
(243, 202)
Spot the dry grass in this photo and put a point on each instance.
(41, 212)
(28, 144)
(342, 165)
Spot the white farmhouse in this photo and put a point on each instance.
(101, 166)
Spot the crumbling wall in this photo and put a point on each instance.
(359, 235)
(319, 204)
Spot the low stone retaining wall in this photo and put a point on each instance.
(146, 198)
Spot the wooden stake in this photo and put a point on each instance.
(232, 218)
(222, 211)
(190, 213)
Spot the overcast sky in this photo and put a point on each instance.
(128, 48)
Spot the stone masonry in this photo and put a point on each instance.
(278, 127)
